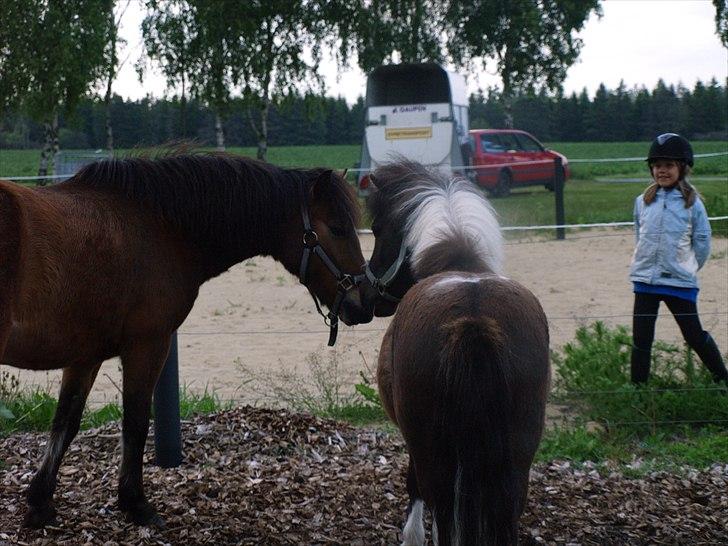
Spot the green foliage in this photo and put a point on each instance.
(54, 52)
(532, 43)
(659, 451)
(22, 409)
(593, 375)
(192, 403)
(575, 444)
(31, 410)
(105, 414)
(324, 391)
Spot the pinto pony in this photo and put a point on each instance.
(464, 365)
(109, 263)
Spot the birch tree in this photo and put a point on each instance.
(52, 52)
(112, 65)
(168, 31)
(533, 42)
(281, 34)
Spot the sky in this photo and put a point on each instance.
(637, 41)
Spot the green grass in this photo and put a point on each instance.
(709, 166)
(586, 200)
(25, 162)
(592, 202)
(33, 410)
(660, 451)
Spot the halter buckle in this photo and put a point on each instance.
(310, 238)
(347, 282)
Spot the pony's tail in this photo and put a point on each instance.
(478, 502)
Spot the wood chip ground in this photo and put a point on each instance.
(257, 476)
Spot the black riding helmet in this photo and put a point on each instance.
(671, 146)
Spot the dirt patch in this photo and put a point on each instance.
(253, 476)
(257, 316)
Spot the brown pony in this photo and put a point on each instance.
(109, 263)
(464, 365)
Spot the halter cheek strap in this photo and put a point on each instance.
(345, 282)
(382, 283)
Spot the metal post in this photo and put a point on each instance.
(167, 431)
(559, 197)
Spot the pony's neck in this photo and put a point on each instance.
(454, 254)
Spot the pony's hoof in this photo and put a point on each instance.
(38, 517)
(145, 515)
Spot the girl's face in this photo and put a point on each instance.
(666, 172)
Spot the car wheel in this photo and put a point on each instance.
(503, 186)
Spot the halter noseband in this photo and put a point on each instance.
(344, 281)
(382, 283)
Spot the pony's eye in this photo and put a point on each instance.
(337, 231)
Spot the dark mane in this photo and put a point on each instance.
(215, 198)
(400, 184)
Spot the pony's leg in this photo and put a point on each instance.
(413, 533)
(141, 365)
(75, 386)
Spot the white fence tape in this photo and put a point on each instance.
(542, 161)
(563, 226)
(46, 177)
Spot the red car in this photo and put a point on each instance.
(511, 158)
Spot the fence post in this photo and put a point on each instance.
(167, 432)
(559, 197)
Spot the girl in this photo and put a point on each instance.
(673, 243)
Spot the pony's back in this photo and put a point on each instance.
(468, 390)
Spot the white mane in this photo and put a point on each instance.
(442, 211)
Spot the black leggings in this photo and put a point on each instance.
(645, 315)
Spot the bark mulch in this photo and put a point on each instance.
(257, 476)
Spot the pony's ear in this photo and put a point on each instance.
(323, 184)
(375, 181)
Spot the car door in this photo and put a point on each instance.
(519, 158)
(490, 153)
(542, 164)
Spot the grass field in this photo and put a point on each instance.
(590, 196)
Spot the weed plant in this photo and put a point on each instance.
(678, 417)
(593, 375)
(324, 391)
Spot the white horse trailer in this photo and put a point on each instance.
(415, 111)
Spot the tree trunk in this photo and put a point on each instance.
(507, 96)
(183, 108)
(508, 110)
(50, 149)
(263, 135)
(45, 154)
(219, 134)
(110, 74)
(54, 145)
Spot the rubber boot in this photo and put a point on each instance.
(711, 357)
(640, 365)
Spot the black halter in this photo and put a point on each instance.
(382, 283)
(345, 282)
